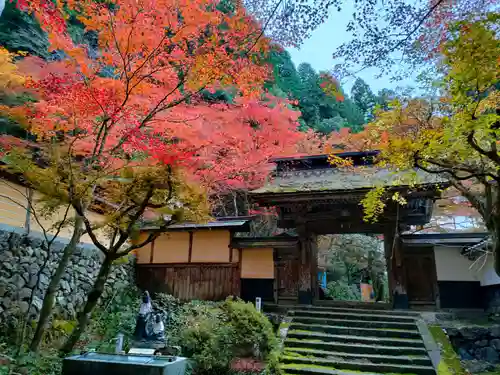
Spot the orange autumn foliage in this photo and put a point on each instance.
(152, 58)
(158, 58)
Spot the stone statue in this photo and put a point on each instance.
(158, 329)
(149, 326)
(142, 319)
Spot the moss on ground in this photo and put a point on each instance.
(450, 362)
(284, 325)
(292, 354)
(306, 366)
(330, 368)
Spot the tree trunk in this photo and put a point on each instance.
(50, 294)
(90, 304)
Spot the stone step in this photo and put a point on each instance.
(353, 315)
(353, 339)
(422, 360)
(355, 310)
(341, 322)
(358, 365)
(377, 332)
(291, 369)
(351, 347)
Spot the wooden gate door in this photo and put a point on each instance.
(287, 275)
(421, 279)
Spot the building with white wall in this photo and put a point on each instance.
(460, 279)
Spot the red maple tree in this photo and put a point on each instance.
(124, 116)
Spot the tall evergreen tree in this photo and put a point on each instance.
(364, 98)
(285, 76)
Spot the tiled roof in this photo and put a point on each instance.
(344, 179)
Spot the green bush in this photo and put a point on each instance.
(47, 363)
(253, 331)
(207, 337)
(114, 316)
(342, 291)
(213, 334)
(273, 364)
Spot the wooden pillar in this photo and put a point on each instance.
(306, 266)
(313, 246)
(395, 267)
(388, 244)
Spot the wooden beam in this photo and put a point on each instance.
(240, 261)
(332, 227)
(192, 264)
(229, 246)
(285, 198)
(260, 242)
(190, 251)
(151, 255)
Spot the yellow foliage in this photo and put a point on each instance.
(396, 197)
(10, 77)
(338, 161)
(373, 204)
(455, 136)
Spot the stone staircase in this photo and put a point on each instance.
(350, 341)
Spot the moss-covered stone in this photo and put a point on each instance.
(450, 362)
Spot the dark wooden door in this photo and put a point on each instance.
(420, 275)
(287, 274)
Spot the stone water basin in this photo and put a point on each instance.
(123, 364)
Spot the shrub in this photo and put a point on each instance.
(273, 364)
(252, 329)
(342, 291)
(213, 334)
(207, 337)
(47, 363)
(114, 316)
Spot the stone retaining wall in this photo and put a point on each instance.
(476, 342)
(492, 298)
(22, 257)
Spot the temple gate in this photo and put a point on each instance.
(315, 198)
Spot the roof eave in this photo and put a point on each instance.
(239, 227)
(278, 195)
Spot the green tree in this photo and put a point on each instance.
(21, 32)
(310, 94)
(364, 98)
(348, 255)
(320, 111)
(285, 76)
(352, 114)
(328, 125)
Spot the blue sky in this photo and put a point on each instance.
(318, 50)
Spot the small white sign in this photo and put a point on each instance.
(258, 303)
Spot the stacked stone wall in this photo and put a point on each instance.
(21, 264)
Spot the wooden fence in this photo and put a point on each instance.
(191, 281)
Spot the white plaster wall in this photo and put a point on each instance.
(487, 271)
(453, 266)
